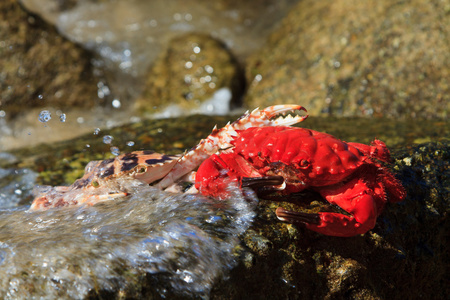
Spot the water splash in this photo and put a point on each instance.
(62, 117)
(115, 150)
(16, 185)
(181, 243)
(107, 139)
(218, 104)
(45, 116)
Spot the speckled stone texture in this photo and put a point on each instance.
(383, 58)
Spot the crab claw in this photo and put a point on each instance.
(354, 197)
(265, 117)
(57, 198)
(333, 224)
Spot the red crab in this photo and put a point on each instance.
(279, 161)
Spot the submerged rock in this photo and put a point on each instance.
(357, 58)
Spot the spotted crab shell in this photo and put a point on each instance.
(101, 179)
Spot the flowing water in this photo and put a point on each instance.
(184, 242)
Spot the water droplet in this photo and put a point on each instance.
(208, 69)
(96, 131)
(2, 113)
(103, 90)
(116, 103)
(88, 146)
(62, 117)
(40, 97)
(18, 192)
(177, 17)
(196, 49)
(107, 139)
(130, 143)
(114, 150)
(44, 116)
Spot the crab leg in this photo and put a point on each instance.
(221, 138)
(355, 197)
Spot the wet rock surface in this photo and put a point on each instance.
(190, 71)
(40, 68)
(357, 58)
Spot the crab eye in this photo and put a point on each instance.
(304, 164)
(141, 169)
(95, 183)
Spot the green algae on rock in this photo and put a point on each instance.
(357, 58)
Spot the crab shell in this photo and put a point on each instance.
(307, 157)
(288, 160)
(107, 179)
(304, 157)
